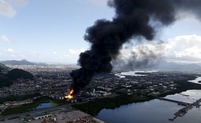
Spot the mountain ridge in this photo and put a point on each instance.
(20, 62)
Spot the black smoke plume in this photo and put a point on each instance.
(134, 18)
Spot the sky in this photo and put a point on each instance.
(52, 31)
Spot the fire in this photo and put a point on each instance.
(70, 95)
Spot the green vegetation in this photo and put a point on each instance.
(3, 67)
(17, 73)
(184, 85)
(18, 98)
(7, 79)
(4, 80)
(93, 107)
(30, 107)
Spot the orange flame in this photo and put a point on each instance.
(70, 95)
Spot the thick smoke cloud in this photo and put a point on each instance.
(140, 57)
(133, 18)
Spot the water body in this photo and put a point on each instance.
(131, 73)
(188, 96)
(135, 73)
(45, 105)
(196, 80)
(155, 111)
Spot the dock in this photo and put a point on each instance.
(175, 101)
(185, 109)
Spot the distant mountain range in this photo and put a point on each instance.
(21, 62)
(171, 66)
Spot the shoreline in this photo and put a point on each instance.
(95, 106)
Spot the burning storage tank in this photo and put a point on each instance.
(70, 95)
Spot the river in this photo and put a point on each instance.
(154, 111)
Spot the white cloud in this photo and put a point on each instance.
(54, 52)
(7, 7)
(74, 52)
(98, 2)
(10, 50)
(180, 49)
(12, 54)
(18, 2)
(9, 53)
(5, 39)
(184, 48)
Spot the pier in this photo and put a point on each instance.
(185, 109)
(175, 101)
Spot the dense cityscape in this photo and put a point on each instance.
(54, 81)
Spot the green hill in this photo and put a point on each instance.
(12, 75)
(18, 73)
(5, 81)
(3, 68)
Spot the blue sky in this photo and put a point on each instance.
(52, 31)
